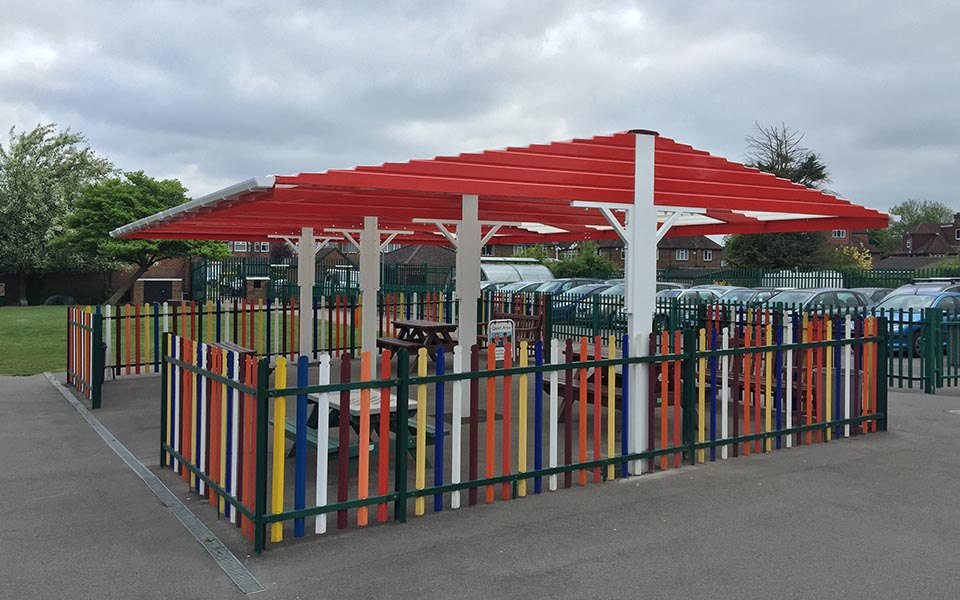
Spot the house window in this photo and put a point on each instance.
(683, 254)
(956, 234)
(839, 234)
(519, 249)
(487, 250)
(707, 255)
(239, 246)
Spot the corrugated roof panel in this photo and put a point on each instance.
(532, 184)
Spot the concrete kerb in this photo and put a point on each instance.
(795, 489)
(224, 558)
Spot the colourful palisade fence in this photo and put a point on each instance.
(132, 333)
(85, 360)
(352, 442)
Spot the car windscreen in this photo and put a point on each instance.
(581, 290)
(792, 297)
(616, 290)
(906, 302)
(737, 296)
(549, 286)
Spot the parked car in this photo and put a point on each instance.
(569, 304)
(667, 294)
(905, 313)
(698, 295)
(874, 294)
(493, 286)
(719, 289)
(668, 285)
(747, 295)
(521, 286)
(821, 300)
(612, 312)
(562, 286)
(685, 311)
(936, 284)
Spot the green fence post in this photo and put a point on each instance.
(882, 350)
(69, 345)
(932, 352)
(689, 398)
(96, 371)
(400, 451)
(596, 315)
(547, 320)
(263, 407)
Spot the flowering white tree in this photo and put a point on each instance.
(42, 172)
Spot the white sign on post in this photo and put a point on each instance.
(500, 332)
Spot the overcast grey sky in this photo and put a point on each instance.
(213, 93)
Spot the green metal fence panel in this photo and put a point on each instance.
(695, 383)
(227, 278)
(848, 278)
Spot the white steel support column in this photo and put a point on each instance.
(469, 243)
(369, 283)
(306, 276)
(641, 281)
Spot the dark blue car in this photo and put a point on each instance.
(905, 313)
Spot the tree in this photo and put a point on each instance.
(776, 250)
(849, 257)
(585, 263)
(780, 151)
(108, 204)
(41, 174)
(912, 213)
(538, 252)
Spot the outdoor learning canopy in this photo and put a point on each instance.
(635, 185)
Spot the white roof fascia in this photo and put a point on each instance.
(254, 184)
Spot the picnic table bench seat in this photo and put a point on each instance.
(333, 446)
(354, 423)
(393, 344)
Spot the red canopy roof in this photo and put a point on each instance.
(532, 186)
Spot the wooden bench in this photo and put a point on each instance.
(526, 328)
(395, 344)
(354, 422)
(333, 446)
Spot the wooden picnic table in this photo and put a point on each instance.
(414, 334)
(333, 400)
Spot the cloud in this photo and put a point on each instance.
(217, 92)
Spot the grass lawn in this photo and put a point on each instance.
(33, 339)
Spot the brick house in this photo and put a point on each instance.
(839, 238)
(681, 252)
(926, 245)
(933, 239)
(689, 252)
